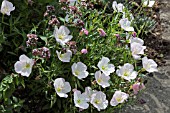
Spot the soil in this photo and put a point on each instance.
(156, 97)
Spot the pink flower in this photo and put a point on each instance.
(101, 32)
(85, 31)
(134, 34)
(84, 51)
(117, 35)
(137, 87)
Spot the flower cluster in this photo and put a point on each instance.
(32, 40)
(43, 52)
(74, 52)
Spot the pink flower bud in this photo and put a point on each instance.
(74, 90)
(84, 31)
(137, 87)
(117, 35)
(134, 34)
(84, 51)
(101, 32)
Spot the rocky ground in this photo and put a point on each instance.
(156, 98)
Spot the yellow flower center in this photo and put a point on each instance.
(61, 36)
(78, 101)
(61, 55)
(6, 9)
(126, 74)
(119, 99)
(58, 89)
(148, 66)
(135, 51)
(96, 101)
(104, 67)
(99, 80)
(27, 65)
(77, 73)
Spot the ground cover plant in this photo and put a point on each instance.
(83, 56)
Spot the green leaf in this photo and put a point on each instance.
(44, 39)
(23, 83)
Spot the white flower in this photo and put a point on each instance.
(149, 65)
(118, 97)
(102, 79)
(80, 100)
(137, 40)
(125, 24)
(99, 101)
(131, 17)
(105, 67)
(117, 7)
(72, 2)
(127, 72)
(62, 87)
(65, 57)
(62, 35)
(148, 3)
(24, 65)
(79, 70)
(67, 18)
(137, 50)
(89, 92)
(7, 7)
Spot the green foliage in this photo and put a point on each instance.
(7, 87)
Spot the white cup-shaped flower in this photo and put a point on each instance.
(126, 24)
(137, 40)
(7, 7)
(127, 72)
(62, 87)
(65, 57)
(24, 65)
(105, 67)
(79, 70)
(99, 101)
(102, 79)
(117, 7)
(148, 3)
(80, 100)
(89, 92)
(62, 35)
(137, 50)
(118, 97)
(149, 65)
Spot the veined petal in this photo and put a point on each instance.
(24, 58)
(64, 30)
(137, 40)
(18, 66)
(129, 29)
(67, 87)
(82, 75)
(113, 102)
